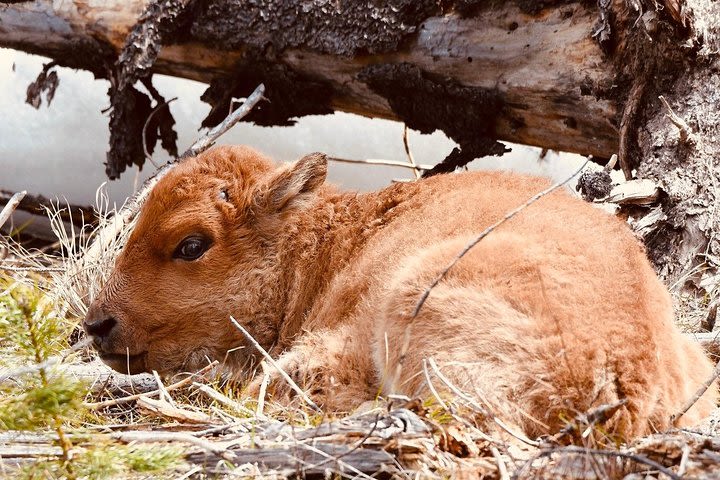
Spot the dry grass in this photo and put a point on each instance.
(200, 427)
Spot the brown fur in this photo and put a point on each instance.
(555, 312)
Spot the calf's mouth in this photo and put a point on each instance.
(124, 362)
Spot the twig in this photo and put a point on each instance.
(703, 388)
(376, 161)
(117, 401)
(222, 399)
(686, 133)
(486, 232)
(610, 164)
(478, 407)
(148, 155)
(31, 269)
(10, 207)
(626, 123)
(164, 395)
(434, 392)
(263, 391)
(408, 153)
(272, 362)
(211, 137)
(190, 473)
(502, 468)
(450, 410)
(162, 408)
(47, 363)
(683, 460)
(408, 330)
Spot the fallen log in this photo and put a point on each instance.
(578, 76)
(40, 205)
(541, 64)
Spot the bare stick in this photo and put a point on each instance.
(610, 164)
(451, 411)
(10, 207)
(408, 153)
(502, 468)
(339, 463)
(164, 395)
(376, 161)
(408, 331)
(272, 362)
(130, 398)
(211, 137)
(11, 268)
(486, 232)
(223, 399)
(686, 133)
(703, 388)
(263, 390)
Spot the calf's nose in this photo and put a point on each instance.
(98, 324)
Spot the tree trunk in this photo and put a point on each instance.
(579, 76)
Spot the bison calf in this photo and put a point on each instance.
(555, 312)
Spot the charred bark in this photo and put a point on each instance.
(537, 61)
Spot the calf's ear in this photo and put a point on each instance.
(292, 186)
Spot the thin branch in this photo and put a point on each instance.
(164, 395)
(502, 468)
(272, 362)
(40, 269)
(703, 388)
(686, 133)
(224, 400)
(211, 137)
(340, 463)
(185, 381)
(377, 161)
(354, 448)
(10, 207)
(408, 153)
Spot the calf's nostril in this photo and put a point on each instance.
(100, 327)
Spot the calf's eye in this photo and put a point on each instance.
(191, 248)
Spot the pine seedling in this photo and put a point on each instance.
(31, 333)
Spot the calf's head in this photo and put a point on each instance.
(207, 245)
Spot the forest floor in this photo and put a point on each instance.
(63, 414)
